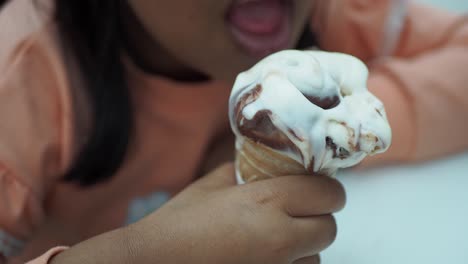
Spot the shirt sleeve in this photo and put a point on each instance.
(416, 56)
(44, 259)
(34, 129)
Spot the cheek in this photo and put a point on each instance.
(166, 19)
(206, 45)
(213, 53)
(195, 34)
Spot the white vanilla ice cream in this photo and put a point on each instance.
(312, 106)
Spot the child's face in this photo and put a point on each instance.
(223, 37)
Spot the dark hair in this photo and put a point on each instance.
(308, 39)
(93, 31)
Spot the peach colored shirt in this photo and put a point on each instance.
(415, 54)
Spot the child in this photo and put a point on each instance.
(105, 102)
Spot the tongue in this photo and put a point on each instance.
(257, 16)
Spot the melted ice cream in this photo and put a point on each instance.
(313, 106)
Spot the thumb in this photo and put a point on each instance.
(221, 177)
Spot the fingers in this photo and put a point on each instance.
(313, 234)
(301, 196)
(220, 178)
(304, 237)
(308, 260)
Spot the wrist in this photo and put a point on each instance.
(132, 244)
(124, 245)
(143, 243)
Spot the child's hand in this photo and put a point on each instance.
(282, 220)
(279, 221)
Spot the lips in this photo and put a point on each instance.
(260, 27)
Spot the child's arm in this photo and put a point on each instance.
(214, 221)
(429, 73)
(418, 58)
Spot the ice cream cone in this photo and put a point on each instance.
(255, 161)
(305, 113)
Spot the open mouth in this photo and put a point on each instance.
(261, 27)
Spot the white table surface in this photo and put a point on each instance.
(413, 214)
(454, 5)
(406, 215)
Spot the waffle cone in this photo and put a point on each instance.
(255, 161)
